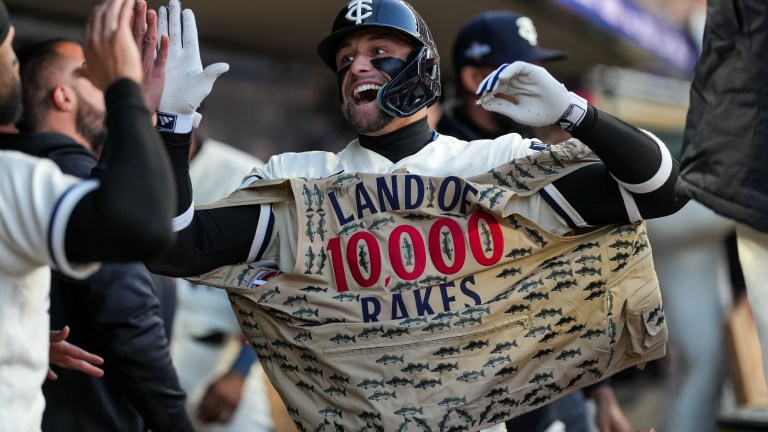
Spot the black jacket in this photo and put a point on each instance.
(117, 314)
(724, 162)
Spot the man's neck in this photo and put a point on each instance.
(68, 132)
(404, 142)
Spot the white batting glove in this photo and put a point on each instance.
(186, 82)
(541, 99)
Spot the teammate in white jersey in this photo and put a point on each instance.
(51, 219)
(388, 72)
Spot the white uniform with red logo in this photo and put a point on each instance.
(36, 200)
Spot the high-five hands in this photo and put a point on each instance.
(186, 82)
(110, 50)
(154, 53)
(541, 100)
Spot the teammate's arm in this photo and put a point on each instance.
(126, 217)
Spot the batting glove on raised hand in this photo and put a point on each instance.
(541, 100)
(186, 82)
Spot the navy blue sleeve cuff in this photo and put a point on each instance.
(245, 359)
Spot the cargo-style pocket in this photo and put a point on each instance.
(646, 323)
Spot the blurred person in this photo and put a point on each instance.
(484, 43)
(122, 311)
(51, 219)
(217, 367)
(724, 159)
(690, 257)
(388, 73)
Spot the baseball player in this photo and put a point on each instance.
(53, 220)
(388, 72)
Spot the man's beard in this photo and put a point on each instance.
(89, 123)
(368, 124)
(10, 105)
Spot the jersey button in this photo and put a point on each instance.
(382, 170)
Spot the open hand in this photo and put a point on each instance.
(64, 354)
(153, 50)
(110, 49)
(186, 82)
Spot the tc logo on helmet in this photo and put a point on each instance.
(359, 10)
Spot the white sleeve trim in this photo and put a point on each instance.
(58, 230)
(661, 176)
(565, 206)
(251, 179)
(263, 233)
(183, 220)
(629, 203)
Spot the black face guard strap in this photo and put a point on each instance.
(411, 89)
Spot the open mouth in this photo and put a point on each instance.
(365, 93)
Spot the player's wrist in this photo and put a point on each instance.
(574, 114)
(175, 122)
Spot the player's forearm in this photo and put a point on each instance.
(214, 238)
(629, 154)
(205, 239)
(128, 217)
(638, 161)
(177, 147)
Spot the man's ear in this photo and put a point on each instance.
(63, 98)
(471, 77)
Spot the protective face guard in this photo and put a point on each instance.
(416, 86)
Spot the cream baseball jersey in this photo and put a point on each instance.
(431, 301)
(445, 155)
(36, 200)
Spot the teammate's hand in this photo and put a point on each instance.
(154, 53)
(186, 82)
(609, 416)
(64, 354)
(221, 398)
(110, 50)
(540, 99)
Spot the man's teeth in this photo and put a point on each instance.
(365, 87)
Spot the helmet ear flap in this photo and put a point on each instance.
(415, 87)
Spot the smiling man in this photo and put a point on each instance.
(349, 240)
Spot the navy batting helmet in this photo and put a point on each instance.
(415, 85)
